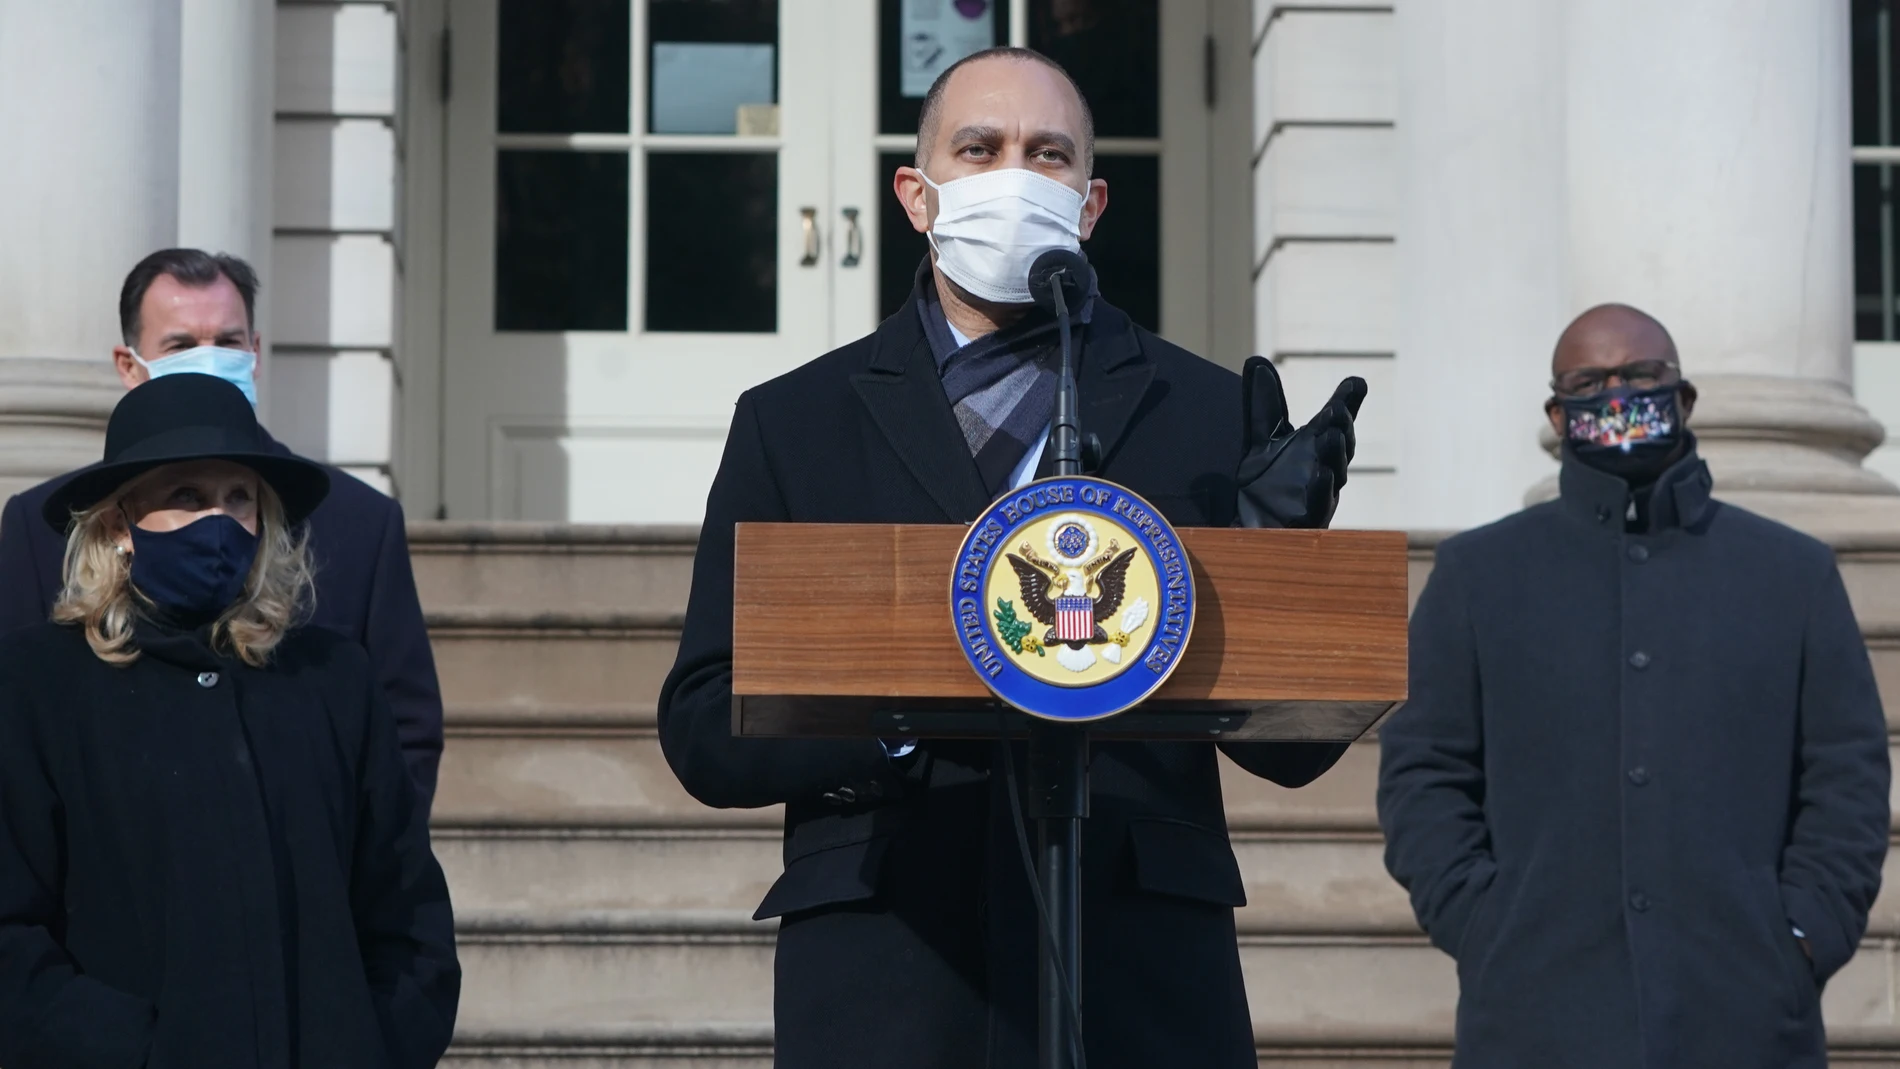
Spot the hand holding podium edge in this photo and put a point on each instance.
(1288, 477)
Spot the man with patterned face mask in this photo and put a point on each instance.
(907, 936)
(1639, 791)
(189, 311)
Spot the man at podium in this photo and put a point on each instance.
(907, 935)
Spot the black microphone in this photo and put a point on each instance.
(1058, 281)
(1059, 273)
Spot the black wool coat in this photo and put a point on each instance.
(205, 865)
(366, 592)
(907, 937)
(1632, 762)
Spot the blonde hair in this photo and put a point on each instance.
(99, 595)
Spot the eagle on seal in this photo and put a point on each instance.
(1102, 582)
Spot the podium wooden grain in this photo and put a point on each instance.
(846, 630)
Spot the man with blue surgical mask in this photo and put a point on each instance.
(907, 935)
(185, 310)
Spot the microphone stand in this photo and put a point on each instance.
(1059, 789)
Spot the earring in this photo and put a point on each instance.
(121, 550)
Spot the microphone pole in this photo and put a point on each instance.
(1058, 795)
(1065, 432)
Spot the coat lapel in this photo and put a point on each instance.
(905, 397)
(1113, 378)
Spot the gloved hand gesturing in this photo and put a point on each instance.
(1287, 477)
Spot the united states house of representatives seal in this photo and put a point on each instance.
(1072, 598)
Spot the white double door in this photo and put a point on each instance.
(653, 205)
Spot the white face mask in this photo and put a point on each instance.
(990, 228)
(235, 366)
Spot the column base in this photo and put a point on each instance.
(52, 417)
(1790, 449)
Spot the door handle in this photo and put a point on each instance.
(853, 239)
(808, 221)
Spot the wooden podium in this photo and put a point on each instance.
(846, 631)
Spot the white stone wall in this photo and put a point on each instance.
(1325, 192)
(1877, 387)
(334, 266)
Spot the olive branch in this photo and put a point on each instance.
(1013, 629)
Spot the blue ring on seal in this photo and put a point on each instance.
(983, 647)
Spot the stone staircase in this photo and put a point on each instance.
(604, 915)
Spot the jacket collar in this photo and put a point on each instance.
(1679, 498)
(901, 388)
(186, 647)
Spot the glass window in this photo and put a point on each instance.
(918, 40)
(899, 248)
(709, 58)
(712, 241)
(560, 241)
(1112, 50)
(1876, 95)
(1125, 249)
(563, 67)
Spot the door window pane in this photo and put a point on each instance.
(712, 242)
(919, 39)
(563, 67)
(899, 248)
(708, 59)
(1876, 122)
(1112, 50)
(560, 241)
(1125, 249)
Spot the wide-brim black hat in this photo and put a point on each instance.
(181, 417)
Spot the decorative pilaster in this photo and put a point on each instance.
(1707, 149)
(89, 105)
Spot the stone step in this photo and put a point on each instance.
(502, 667)
(553, 625)
(606, 872)
(696, 975)
(741, 1054)
(620, 778)
(1296, 884)
(543, 567)
(601, 777)
(539, 567)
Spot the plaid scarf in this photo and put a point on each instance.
(1002, 386)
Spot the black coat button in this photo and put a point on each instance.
(1639, 775)
(207, 679)
(1603, 514)
(1639, 660)
(1639, 901)
(833, 797)
(1639, 554)
(847, 795)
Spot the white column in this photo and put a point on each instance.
(1480, 247)
(1709, 184)
(89, 116)
(227, 118)
(225, 123)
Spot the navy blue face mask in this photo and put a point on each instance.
(196, 571)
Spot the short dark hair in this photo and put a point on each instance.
(193, 267)
(933, 100)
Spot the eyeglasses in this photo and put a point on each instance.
(1638, 374)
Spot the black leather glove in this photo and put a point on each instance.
(1290, 478)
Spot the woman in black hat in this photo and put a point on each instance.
(209, 852)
